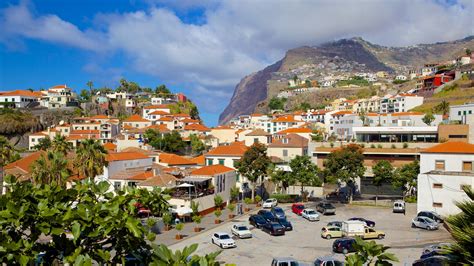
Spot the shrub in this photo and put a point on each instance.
(258, 198)
(197, 219)
(331, 144)
(393, 146)
(410, 199)
(234, 193)
(179, 226)
(248, 201)
(285, 198)
(167, 218)
(372, 146)
(218, 213)
(362, 145)
(231, 207)
(218, 201)
(405, 145)
(379, 146)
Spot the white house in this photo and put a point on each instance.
(257, 136)
(18, 98)
(444, 170)
(459, 112)
(124, 165)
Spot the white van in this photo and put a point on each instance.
(399, 206)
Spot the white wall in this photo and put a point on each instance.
(452, 162)
(117, 166)
(447, 195)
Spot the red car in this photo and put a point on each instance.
(297, 208)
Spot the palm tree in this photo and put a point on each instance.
(442, 107)
(90, 84)
(60, 144)
(50, 169)
(7, 154)
(462, 230)
(90, 158)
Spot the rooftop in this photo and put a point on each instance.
(451, 147)
(258, 132)
(136, 118)
(291, 140)
(125, 156)
(212, 170)
(235, 149)
(173, 159)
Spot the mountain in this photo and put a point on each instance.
(342, 56)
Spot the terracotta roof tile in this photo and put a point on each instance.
(124, 156)
(295, 130)
(173, 159)
(237, 149)
(161, 180)
(407, 113)
(291, 140)
(25, 93)
(158, 112)
(142, 176)
(25, 162)
(258, 132)
(199, 160)
(136, 118)
(286, 118)
(197, 127)
(159, 106)
(110, 146)
(451, 147)
(212, 170)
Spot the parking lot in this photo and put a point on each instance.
(305, 244)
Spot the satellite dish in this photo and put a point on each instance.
(61, 122)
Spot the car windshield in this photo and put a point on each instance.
(269, 201)
(242, 228)
(428, 220)
(282, 220)
(224, 237)
(328, 205)
(259, 218)
(278, 210)
(300, 207)
(311, 212)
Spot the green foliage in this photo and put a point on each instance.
(234, 193)
(8, 153)
(218, 213)
(405, 145)
(61, 145)
(248, 201)
(51, 168)
(90, 158)
(179, 226)
(167, 218)
(317, 136)
(379, 146)
(303, 106)
(16, 123)
(468, 52)
(406, 176)
(166, 257)
(258, 199)
(43, 144)
(254, 164)
(358, 81)
(442, 107)
(85, 96)
(195, 207)
(169, 142)
(411, 199)
(277, 103)
(370, 253)
(393, 146)
(462, 230)
(372, 146)
(345, 164)
(305, 172)
(162, 89)
(197, 219)
(399, 81)
(383, 172)
(282, 178)
(231, 207)
(285, 198)
(366, 93)
(85, 223)
(197, 146)
(218, 201)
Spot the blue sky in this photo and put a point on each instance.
(202, 48)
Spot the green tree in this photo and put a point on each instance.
(234, 193)
(8, 154)
(196, 144)
(276, 103)
(468, 52)
(16, 123)
(85, 96)
(283, 179)
(317, 135)
(383, 172)
(166, 257)
(195, 207)
(123, 87)
(162, 89)
(51, 168)
(346, 164)
(305, 172)
(254, 165)
(462, 230)
(90, 84)
(304, 106)
(218, 201)
(428, 119)
(442, 107)
(61, 145)
(370, 253)
(406, 177)
(90, 158)
(43, 144)
(363, 117)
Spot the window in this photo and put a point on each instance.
(33, 140)
(132, 184)
(467, 166)
(117, 185)
(221, 161)
(437, 185)
(439, 165)
(209, 161)
(437, 204)
(285, 153)
(255, 140)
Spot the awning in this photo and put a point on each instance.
(194, 179)
(183, 211)
(185, 185)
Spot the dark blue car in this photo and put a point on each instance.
(284, 222)
(278, 212)
(257, 220)
(268, 215)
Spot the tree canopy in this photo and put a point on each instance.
(277, 103)
(383, 172)
(305, 172)
(254, 164)
(168, 142)
(197, 146)
(406, 177)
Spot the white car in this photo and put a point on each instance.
(270, 203)
(241, 231)
(223, 240)
(310, 214)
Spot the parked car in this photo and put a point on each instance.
(297, 208)
(432, 215)
(335, 223)
(433, 261)
(338, 196)
(269, 203)
(424, 222)
(274, 229)
(329, 232)
(327, 261)
(284, 262)
(257, 220)
(278, 212)
(326, 208)
(284, 222)
(241, 231)
(343, 245)
(223, 240)
(267, 215)
(367, 222)
(310, 215)
(399, 206)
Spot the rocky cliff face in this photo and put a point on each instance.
(343, 56)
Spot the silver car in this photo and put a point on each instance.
(424, 222)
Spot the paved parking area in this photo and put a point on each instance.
(305, 244)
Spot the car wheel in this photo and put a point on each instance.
(328, 237)
(380, 236)
(221, 246)
(345, 251)
(413, 225)
(212, 240)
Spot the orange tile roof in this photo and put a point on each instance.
(25, 93)
(25, 162)
(212, 170)
(222, 127)
(407, 113)
(189, 120)
(158, 112)
(99, 117)
(343, 113)
(451, 147)
(160, 106)
(181, 115)
(161, 128)
(165, 119)
(256, 115)
(162, 180)
(295, 130)
(236, 149)
(63, 86)
(142, 176)
(39, 134)
(173, 159)
(125, 156)
(258, 132)
(110, 146)
(197, 127)
(136, 118)
(286, 118)
(85, 131)
(293, 140)
(76, 137)
(199, 160)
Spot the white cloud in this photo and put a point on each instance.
(240, 36)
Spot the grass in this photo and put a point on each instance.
(370, 204)
(454, 95)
